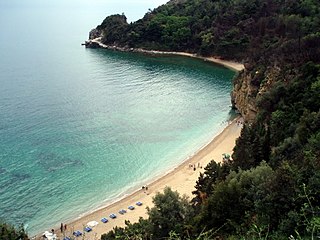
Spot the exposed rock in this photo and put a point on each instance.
(92, 44)
(94, 33)
(251, 85)
(243, 96)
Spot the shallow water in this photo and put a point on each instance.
(81, 127)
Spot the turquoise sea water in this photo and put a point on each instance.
(80, 128)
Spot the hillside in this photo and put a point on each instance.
(231, 29)
(271, 188)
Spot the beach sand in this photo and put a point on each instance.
(182, 179)
(227, 63)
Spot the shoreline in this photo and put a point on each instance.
(235, 66)
(181, 178)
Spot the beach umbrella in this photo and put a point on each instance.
(50, 235)
(92, 223)
(226, 156)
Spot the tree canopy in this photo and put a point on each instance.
(9, 232)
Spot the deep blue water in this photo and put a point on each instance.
(80, 128)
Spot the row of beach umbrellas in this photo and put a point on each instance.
(92, 224)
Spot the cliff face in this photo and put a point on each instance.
(243, 96)
(252, 84)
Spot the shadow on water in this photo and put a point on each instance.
(213, 72)
(52, 162)
(13, 179)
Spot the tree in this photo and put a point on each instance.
(136, 231)
(204, 186)
(114, 28)
(9, 232)
(232, 202)
(170, 213)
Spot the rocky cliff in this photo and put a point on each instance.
(252, 84)
(243, 96)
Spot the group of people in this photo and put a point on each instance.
(239, 122)
(63, 228)
(145, 188)
(194, 166)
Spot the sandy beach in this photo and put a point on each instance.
(181, 179)
(226, 63)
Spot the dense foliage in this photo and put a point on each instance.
(8, 232)
(271, 187)
(228, 28)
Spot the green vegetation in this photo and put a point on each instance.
(271, 187)
(232, 29)
(8, 232)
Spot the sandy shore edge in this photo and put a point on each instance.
(182, 179)
(236, 66)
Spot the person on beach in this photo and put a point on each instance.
(65, 227)
(61, 227)
(147, 190)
